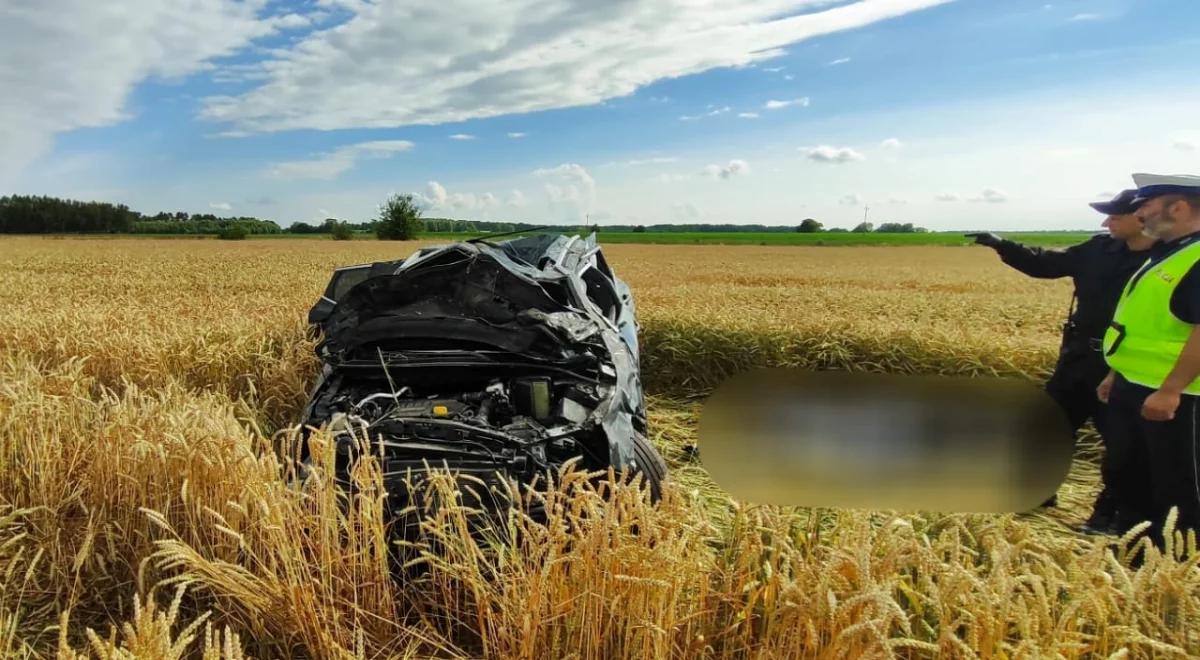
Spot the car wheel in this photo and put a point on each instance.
(650, 464)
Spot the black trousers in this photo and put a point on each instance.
(1163, 458)
(1073, 386)
(1074, 390)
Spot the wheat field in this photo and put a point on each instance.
(146, 387)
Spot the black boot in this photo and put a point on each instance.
(1104, 516)
(1101, 522)
(1124, 521)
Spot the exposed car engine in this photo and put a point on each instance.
(490, 359)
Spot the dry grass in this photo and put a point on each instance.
(143, 515)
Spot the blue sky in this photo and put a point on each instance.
(952, 114)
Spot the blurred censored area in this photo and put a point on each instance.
(884, 441)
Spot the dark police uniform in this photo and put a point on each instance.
(1166, 470)
(1099, 268)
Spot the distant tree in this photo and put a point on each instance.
(232, 233)
(341, 231)
(639, 229)
(809, 226)
(863, 227)
(837, 230)
(399, 219)
(898, 228)
(24, 214)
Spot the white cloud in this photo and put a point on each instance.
(515, 135)
(436, 195)
(840, 60)
(349, 5)
(891, 143)
(462, 136)
(896, 201)
(788, 76)
(572, 193)
(1184, 145)
(1105, 195)
(68, 64)
(220, 206)
(748, 115)
(332, 164)
(736, 167)
(828, 154)
(437, 198)
(463, 201)
(853, 199)
(291, 21)
(946, 197)
(570, 171)
(772, 69)
(776, 105)
(472, 61)
(711, 113)
(991, 196)
(1086, 17)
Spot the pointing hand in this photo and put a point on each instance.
(985, 238)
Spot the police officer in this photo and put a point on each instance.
(1153, 349)
(1099, 268)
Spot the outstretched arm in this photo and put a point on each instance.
(1039, 262)
(1033, 261)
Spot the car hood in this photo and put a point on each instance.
(463, 296)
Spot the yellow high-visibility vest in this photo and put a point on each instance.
(1145, 338)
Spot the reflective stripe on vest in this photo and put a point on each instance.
(1145, 338)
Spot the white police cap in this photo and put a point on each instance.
(1150, 186)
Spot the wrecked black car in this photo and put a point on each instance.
(490, 358)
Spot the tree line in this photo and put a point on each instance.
(808, 225)
(50, 215)
(202, 223)
(34, 214)
(399, 218)
(41, 214)
(812, 226)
